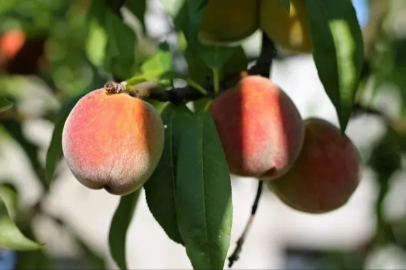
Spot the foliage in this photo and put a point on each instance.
(84, 44)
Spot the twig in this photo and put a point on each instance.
(152, 90)
(264, 63)
(361, 109)
(236, 254)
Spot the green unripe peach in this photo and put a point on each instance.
(228, 21)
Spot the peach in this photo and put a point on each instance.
(227, 22)
(112, 141)
(326, 173)
(260, 128)
(11, 43)
(290, 30)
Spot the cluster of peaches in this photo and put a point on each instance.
(115, 141)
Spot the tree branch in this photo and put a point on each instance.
(236, 254)
(264, 63)
(152, 90)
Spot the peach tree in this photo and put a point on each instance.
(178, 120)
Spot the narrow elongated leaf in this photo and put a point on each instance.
(188, 20)
(54, 152)
(10, 236)
(337, 51)
(9, 194)
(96, 43)
(119, 226)
(158, 64)
(120, 46)
(204, 195)
(110, 42)
(5, 104)
(161, 187)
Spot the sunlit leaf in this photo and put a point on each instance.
(9, 194)
(338, 52)
(10, 236)
(159, 64)
(119, 226)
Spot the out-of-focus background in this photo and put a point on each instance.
(52, 68)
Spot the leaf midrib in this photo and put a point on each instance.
(203, 188)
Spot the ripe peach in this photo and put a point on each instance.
(112, 141)
(260, 128)
(326, 173)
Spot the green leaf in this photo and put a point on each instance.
(237, 62)
(203, 4)
(138, 8)
(110, 42)
(119, 226)
(97, 37)
(386, 156)
(96, 43)
(161, 187)
(54, 153)
(337, 51)
(202, 104)
(200, 72)
(204, 195)
(158, 64)
(120, 46)
(189, 18)
(10, 236)
(286, 5)
(5, 104)
(215, 56)
(173, 7)
(9, 194)
(158, 105)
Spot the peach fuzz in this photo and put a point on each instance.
(112, 141)
(260, 128)
(326, 173)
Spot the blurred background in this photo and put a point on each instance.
(47, 62)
